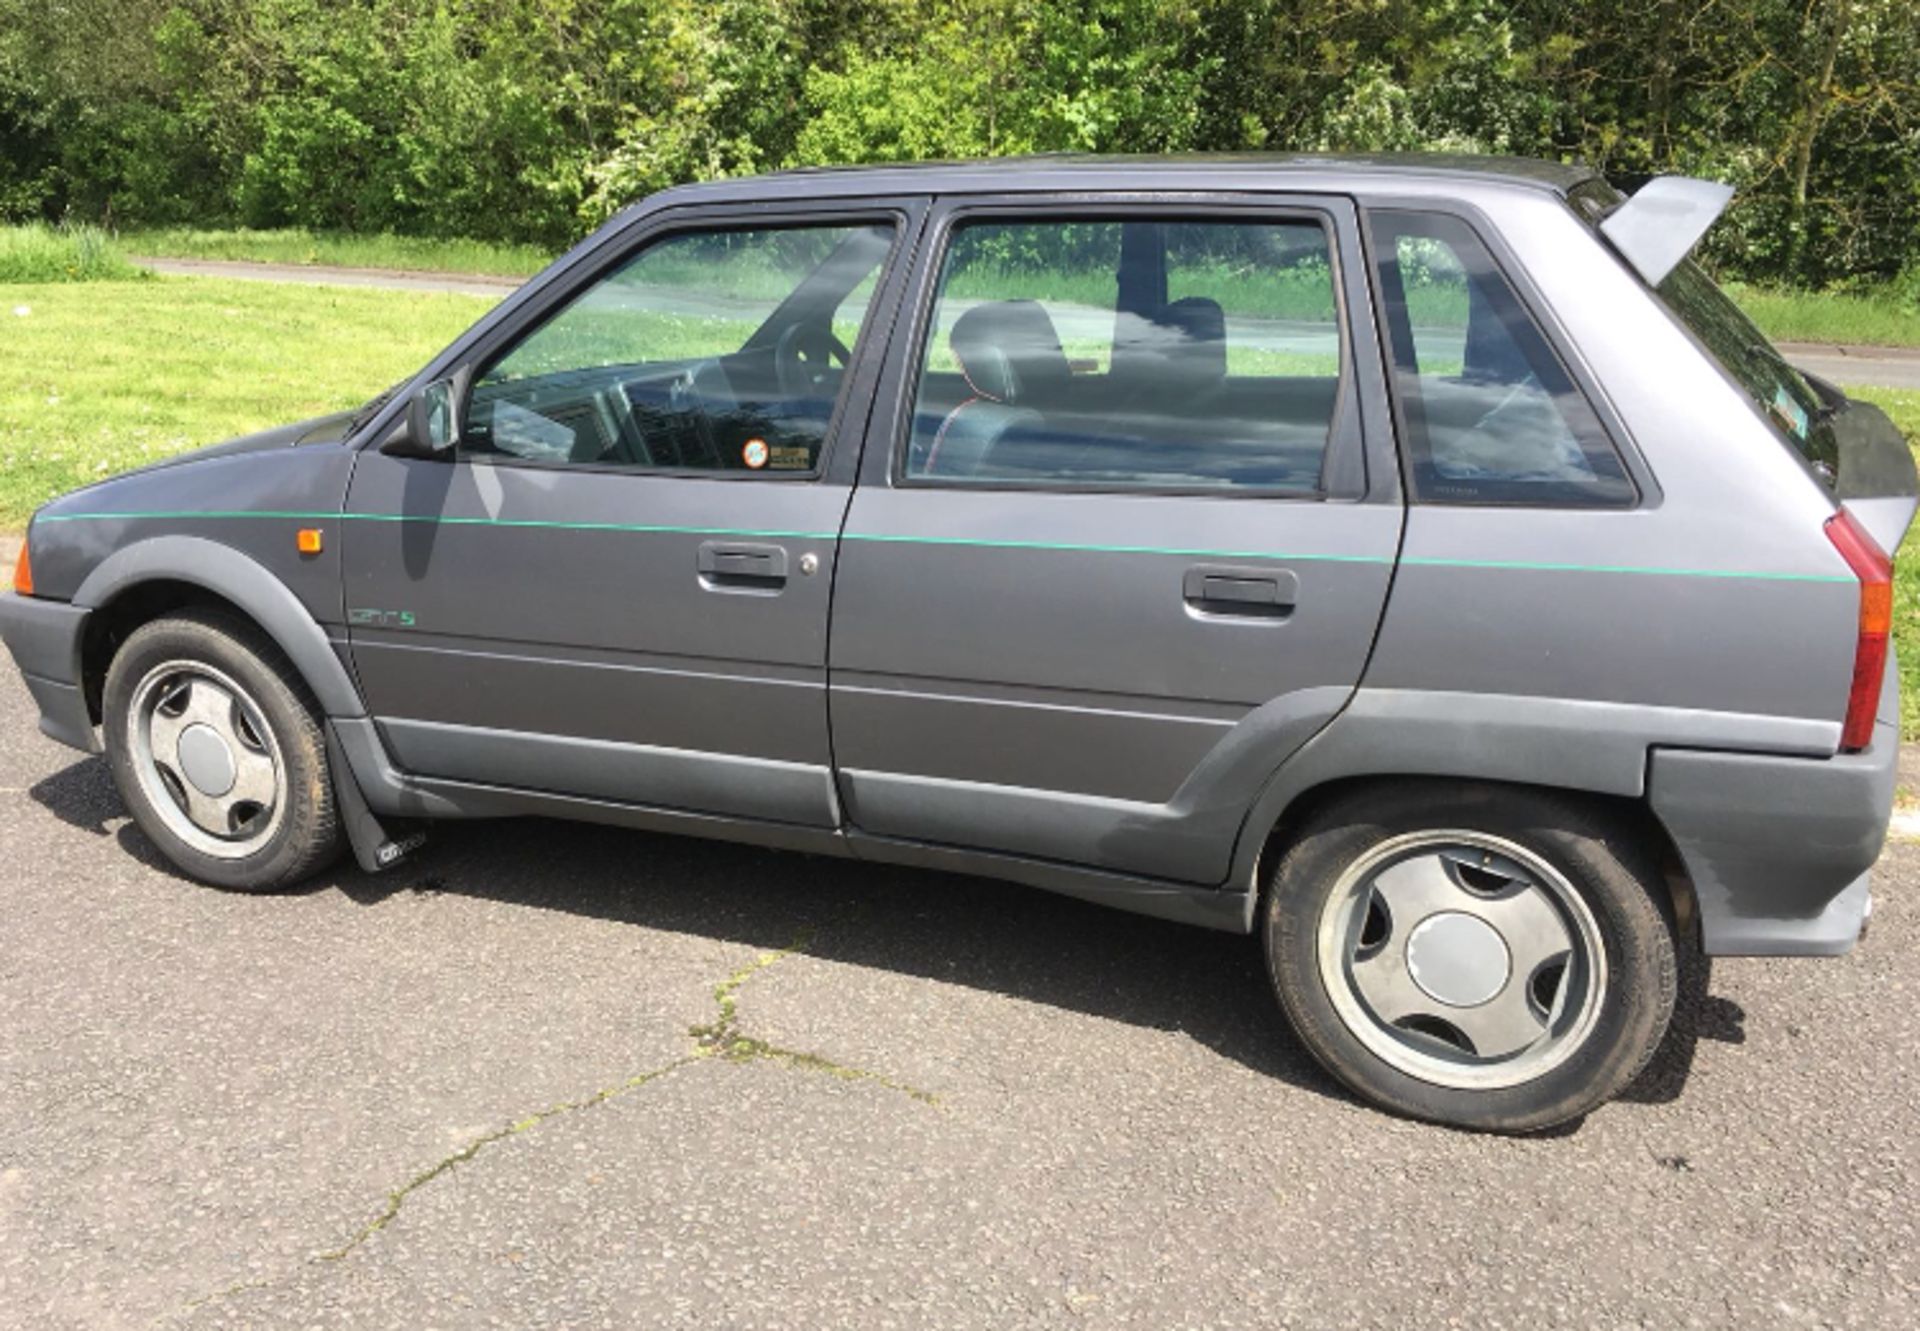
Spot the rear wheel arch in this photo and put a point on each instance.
(149, 579)
(1631, 815)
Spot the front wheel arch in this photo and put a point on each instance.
(146, 579)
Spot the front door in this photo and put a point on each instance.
(619, 586)
(1120, 549)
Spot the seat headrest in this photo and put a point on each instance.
(1195, 355)
(1182, 349)
(1010, 352)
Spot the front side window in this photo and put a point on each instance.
(1491, 416)
(1154, 353)
(709, 351)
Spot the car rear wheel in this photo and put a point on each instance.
(1490, 958)
(218, 751)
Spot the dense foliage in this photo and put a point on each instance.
(529, 120)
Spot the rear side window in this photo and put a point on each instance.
(1130, 353)
(1489, 413)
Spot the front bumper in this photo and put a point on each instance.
(1780, 849)
(45, 638)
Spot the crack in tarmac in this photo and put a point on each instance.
(398, 1197)
(721, 1039)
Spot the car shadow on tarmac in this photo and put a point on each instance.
(997, 937)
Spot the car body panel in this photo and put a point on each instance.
(45, 637)
(1073, 688)
(595, 650)
(1008, 682)
(564, 612)
(1019, 670)
(1778, 849)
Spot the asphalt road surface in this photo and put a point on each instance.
(569, 1076)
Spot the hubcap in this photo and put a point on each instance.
(206, 759)
(1457, 958)
(1462, 959)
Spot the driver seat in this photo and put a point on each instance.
(1011, 358)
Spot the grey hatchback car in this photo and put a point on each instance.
(1417, 562)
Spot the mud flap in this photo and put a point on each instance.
(375, 845)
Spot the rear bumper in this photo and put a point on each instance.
(45, 638)
(1780, 849)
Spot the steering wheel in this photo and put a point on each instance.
(809, 359)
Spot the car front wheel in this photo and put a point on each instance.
(218, 752)
(1490, 958)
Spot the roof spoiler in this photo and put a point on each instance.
(1659, 226)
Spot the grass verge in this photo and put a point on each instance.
(298, 246)
(1880, 320)
(99, 378)
(40, 254)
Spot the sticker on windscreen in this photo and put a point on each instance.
(754, 454)
(1789, 413)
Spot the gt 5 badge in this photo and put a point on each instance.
(381, 619)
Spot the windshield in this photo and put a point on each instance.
(1781, 392)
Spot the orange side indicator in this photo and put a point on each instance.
(310, 540)
(22, 573)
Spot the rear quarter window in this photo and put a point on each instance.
(1488, 413)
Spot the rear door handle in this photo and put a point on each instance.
(1251, 593)
(732, 566)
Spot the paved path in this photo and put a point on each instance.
(1882, 367)
(571, 1076)
(466, 284)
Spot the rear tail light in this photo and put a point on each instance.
(1871, 565)
(22, 573)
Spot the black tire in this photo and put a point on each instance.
(1598, 854)
(307, 835)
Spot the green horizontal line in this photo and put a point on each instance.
(1114, 549)
(1530, 566)
(641, 528)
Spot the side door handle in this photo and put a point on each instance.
(1248, 593)
(733, 566)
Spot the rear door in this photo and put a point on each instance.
(619, 587)
(1125, 527)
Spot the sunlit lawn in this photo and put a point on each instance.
(99, 377)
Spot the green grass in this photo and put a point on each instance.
(299, 246)
(38, 253)
(1820, 316)
(98, 378)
